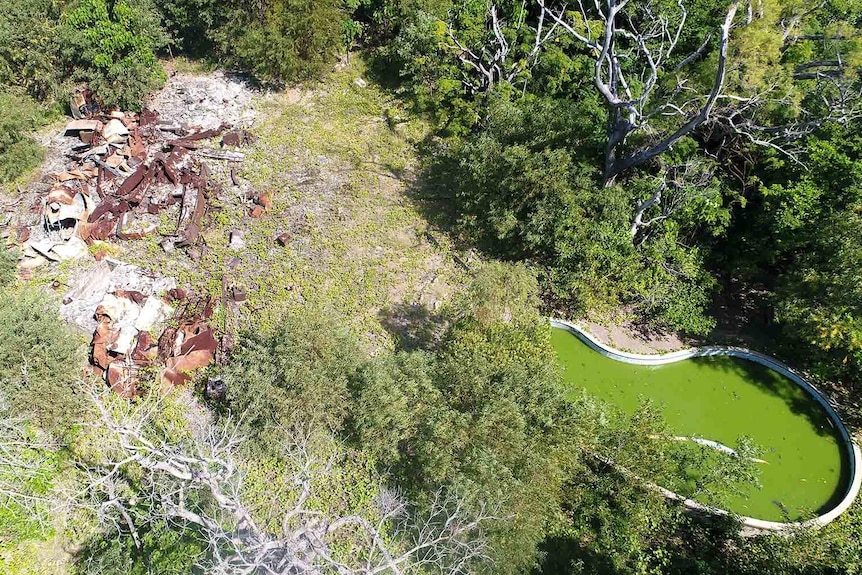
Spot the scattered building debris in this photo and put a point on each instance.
(101, 279)
(82, 104)
(189, 346)
(222, 155)
(204, 101)
(119, 176)
(126, 320)
(130, 168)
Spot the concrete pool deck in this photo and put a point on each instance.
(751, 524)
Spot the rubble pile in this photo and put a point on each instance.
(141, 321)
(125, 175)
(124, 345)
(131, 168)
(205, 101)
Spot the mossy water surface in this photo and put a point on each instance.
(722, 399)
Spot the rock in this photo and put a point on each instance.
(73, 249)
(216, 389)
(153, 313)
(115, 131)
(294, 95)
(31, 263)
(43, 248)
(236, 240)
(360, 82)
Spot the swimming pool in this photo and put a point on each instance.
(808, 467)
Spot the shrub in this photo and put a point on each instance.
(19, 152)
(112, 46)
(39, 360)
(295, 376)
(8, 263)
(522, 190)
(485, 416)
(29, 47)
(191, 23)
(288, 40)
(165, 550)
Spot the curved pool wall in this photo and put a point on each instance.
(758, 525)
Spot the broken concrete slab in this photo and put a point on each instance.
(236, 240)
(74, 127)
(115, 131)
(101, 278)
(72, 249)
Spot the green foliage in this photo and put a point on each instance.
(30, 468)
(8, 267)
(111, 46)
(190, 24)
(40, 360)
(486, 416)
(29, 47)
(19, 152)
(350, 485)
(611, 522)
(524, 188)
(803, 244)
(278, 41)
(285, 40)
(296, 376)
(434, 86)
(164, 549)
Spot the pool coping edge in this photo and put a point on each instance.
(761, 525)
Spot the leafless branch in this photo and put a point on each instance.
(197, 483)
(495, 62)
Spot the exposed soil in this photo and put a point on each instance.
(630, 337)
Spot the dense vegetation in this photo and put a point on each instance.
(663, 200)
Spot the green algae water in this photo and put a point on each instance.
(720, 399)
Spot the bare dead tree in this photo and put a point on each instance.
(631, 55)
(495, 61)
(635, 50)
(198, 484)
(25, 455)
(833, 92)
(676, 186)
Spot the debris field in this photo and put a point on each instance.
(129, 174)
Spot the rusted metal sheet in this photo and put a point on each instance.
(238, 138)
(133, 181)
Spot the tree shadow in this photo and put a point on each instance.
(413, 326)
(798, 400)
(431, 191)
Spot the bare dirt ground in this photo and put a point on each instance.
(629, 337)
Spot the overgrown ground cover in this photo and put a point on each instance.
(533, 165)
(338, 173)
